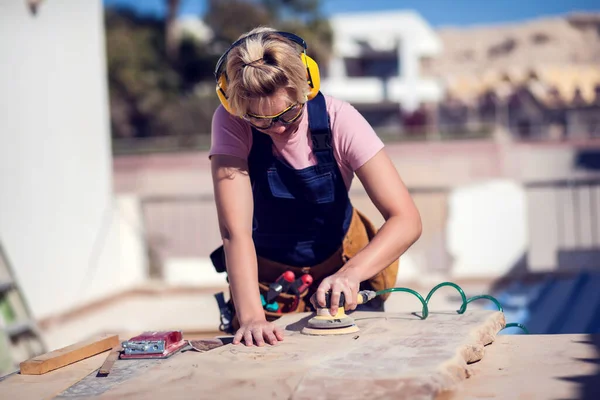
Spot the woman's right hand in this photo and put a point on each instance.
(258, 332)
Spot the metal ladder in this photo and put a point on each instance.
(20, 338)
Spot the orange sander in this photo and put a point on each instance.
(340, 323)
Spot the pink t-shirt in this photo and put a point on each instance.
(354, 140)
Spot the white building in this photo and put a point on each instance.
(58, 213)
(378, 60)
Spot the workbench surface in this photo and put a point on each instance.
(395, 355)
(535, 367)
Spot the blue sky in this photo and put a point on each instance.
(436, 12)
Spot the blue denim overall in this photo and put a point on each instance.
(300, 216)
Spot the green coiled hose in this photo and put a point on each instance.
(463, 307)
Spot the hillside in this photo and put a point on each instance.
(573, 39)
(565, 47)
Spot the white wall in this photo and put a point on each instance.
(133, 256)
(56, 220)
(487, 228)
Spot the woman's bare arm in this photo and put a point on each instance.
(402, 225)
(233, 196)
(401, 229)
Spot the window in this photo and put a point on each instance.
(377, 65)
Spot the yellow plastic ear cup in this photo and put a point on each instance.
(313, 76)
(221, 92)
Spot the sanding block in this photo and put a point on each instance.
(157, 344)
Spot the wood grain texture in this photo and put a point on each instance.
(392, 356)
(47, 386)
(68, 355)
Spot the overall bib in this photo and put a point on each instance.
(304, 221)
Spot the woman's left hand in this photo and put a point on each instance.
(345, 282)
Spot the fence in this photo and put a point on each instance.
(564, 217)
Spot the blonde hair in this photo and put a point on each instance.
(264, 63)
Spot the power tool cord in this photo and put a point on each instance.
(463, 307)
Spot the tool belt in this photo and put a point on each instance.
(359, 234)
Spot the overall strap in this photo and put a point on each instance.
(261, 154)
(320, 131)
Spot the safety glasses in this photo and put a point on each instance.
(286, 117)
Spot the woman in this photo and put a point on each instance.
(283, 157)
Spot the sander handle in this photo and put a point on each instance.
(365, 296)
(362, 297)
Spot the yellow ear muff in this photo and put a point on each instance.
(221, 92)
(312, 75)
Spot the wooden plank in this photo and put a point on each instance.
(113, 355)
(394, 355)
(555, 367)
(47, 386)
(68, 355)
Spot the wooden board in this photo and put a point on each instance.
(68, 355)
(392, 356)
(555, 367)
(113, 355)
(47, 386)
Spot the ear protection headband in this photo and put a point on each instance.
(312, 69)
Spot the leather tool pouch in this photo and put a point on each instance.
(288, 302)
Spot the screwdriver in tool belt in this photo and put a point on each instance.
(280, 285)
(301, 284)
